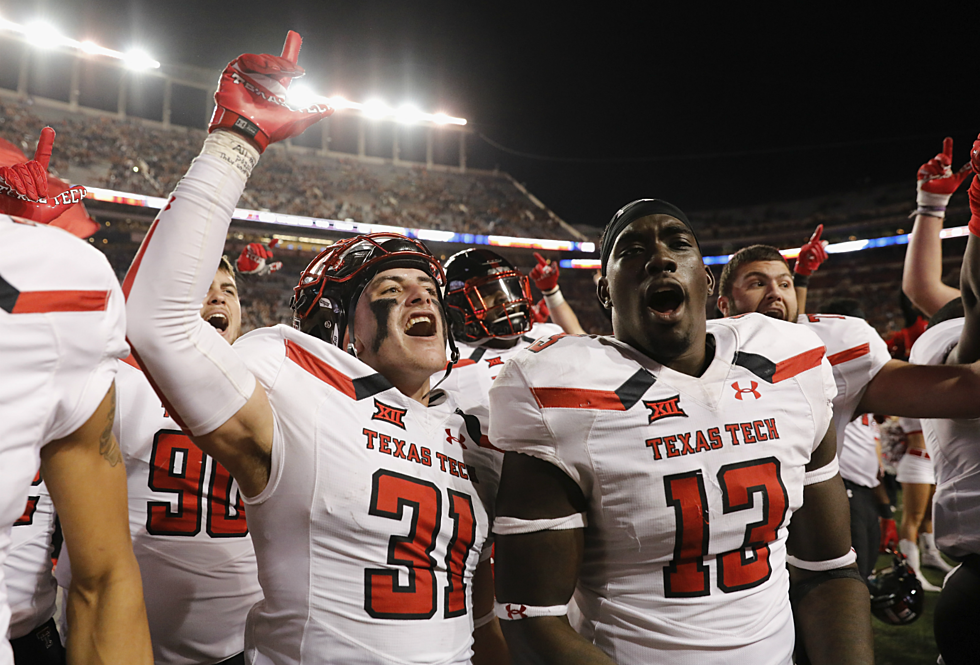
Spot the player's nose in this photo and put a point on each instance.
(660, 261)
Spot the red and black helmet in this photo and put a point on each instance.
(331, 284)
(897, 597)
(486, 297)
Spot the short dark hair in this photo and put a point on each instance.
(951, 310)
(749, 254)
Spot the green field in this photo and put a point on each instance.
(912, 644)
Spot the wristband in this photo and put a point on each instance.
(484, 620)
(554, 298)
(800, 281)
(886, 511)
(929, 203)
(517, 611)
(233, 149)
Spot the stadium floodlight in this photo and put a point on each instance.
(301, 95)
(408, 114)
(375, 108)
(42, 35)
(137, 59)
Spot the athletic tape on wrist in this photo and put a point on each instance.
(509, 526)
(826, 472)
(233, 149)
(554, 299)
(821, 566)
(518, 611)
(484, 620)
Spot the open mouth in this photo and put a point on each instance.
(775, 313)
(666, 300)
(421, 325)
(219, 321)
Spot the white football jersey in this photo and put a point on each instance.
(856, 353)
(371, 526)
(691, 482)
(62, 329)
(857, 451)
(954, 446)
(189, 532)
(31, 587)
(469, 384)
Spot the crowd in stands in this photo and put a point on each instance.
(132, 156)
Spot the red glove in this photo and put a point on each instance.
(936, 182)
(545, 275)
(889, 535)
(24, 187)
(812, 254)
(254, 260)
(540, 312)
(251, 97)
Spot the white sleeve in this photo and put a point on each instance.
(86, 369)
(195, 371)
(517, 422)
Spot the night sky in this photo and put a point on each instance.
(705, 107)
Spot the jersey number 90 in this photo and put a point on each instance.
(178, 466)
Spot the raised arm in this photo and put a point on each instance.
(199, 376)
(537, 569)
(545, 277)
(923, 271)
(830, 600)
(87, 481)
(811, 255)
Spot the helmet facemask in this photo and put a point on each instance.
(497, 306)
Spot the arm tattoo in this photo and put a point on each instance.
(107, 443)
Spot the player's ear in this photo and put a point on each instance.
(723, 305)
(602, 291)
(711, 280)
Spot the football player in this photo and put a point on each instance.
(365, 518)
(952, 337)
(186, 516)
(62, 328)
(669, 472)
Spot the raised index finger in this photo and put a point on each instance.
(948, 148)
(541, 260)
(290, 50)
(43, 153)
(816, 234)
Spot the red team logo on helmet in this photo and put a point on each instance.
(389, 414)
(665, 408)
(751, 390)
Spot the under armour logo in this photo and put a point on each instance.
(741, 391)
(450, 438)
(665, 408)
(493, 362)
(389, 414)
(514, 612)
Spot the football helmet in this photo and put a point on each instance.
(896, 593)
(323, 302)
(486, 296)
